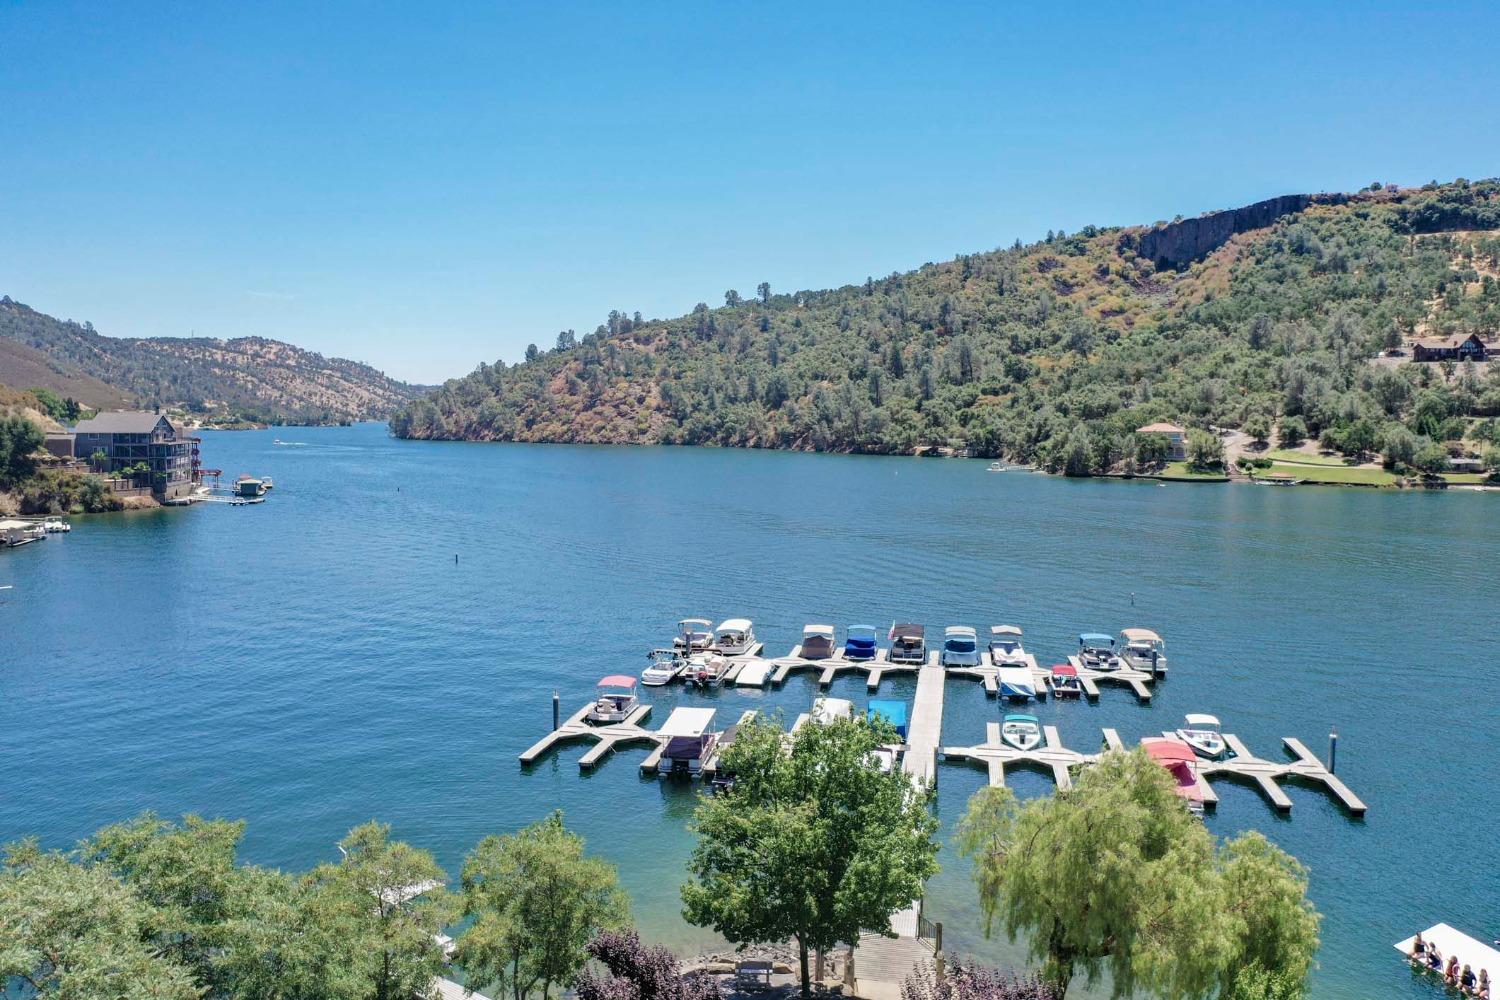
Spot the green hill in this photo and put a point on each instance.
(1052, 352)
(249, 378)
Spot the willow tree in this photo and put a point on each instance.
(813, 842)
(1115, 877)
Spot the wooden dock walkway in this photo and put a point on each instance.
(1266, 774)
(925, 730)
(1050, 757)
(1138, 681)
(607, 737)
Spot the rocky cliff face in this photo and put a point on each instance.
(1179, 243)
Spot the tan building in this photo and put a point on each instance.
(1176, 439)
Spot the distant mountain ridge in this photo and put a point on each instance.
(247, 378)
(1055, 353)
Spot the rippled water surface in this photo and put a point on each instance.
(321, 659)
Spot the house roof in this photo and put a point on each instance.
(120, 422)
(1450, 341)
(1160, 428)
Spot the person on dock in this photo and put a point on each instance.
(1450, 971)
(1434, 958)
(1466, 979)
(1482, 991)
(1418, 951)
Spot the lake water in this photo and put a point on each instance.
(320, 659)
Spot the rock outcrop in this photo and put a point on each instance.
(1177, 243)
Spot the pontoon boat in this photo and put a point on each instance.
(1016, 683)
(666, 664)
(1023, 732)
(1143, 649)
(817, 642)
(616, 699)
(1178, 758)
(693, 635)
(893, 712)
(734, 637)
(1065, 682)
(908, 644)
(705, 670)
(55, 525)
(960, 647)
(826, 710)
(1005, 646)
(1201, 732)
(1097, 651)
(859, 643)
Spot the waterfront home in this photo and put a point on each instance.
(1454, 347)
(117, 440)
(1176, 438)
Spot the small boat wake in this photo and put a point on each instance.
(289, 444)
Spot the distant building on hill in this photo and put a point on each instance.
(1455, 347)
(1176, 439)
(124, 439)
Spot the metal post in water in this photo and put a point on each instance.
(1333, 752)
(554, 711)
(939, 960)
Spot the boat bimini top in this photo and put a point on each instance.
(1096, 640)
(818, 632)
(1140, 635)
(1005, 630)
(687, 722)
(1195, 720)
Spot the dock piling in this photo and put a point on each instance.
(555, 710)
(1333, 751)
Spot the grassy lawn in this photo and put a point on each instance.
(1300, 457)
(1180, 470)
(1333, 474)
(1465, 477)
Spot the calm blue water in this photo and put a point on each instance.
(320, 659)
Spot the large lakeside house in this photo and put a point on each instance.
(117, 440)
(1176, 439)
(1455, 347)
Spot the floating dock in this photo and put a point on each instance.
(1138, 681)
(606, 737)
(925, 729)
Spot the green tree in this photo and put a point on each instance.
(1152, 450)
(813, 842)
(72, 932)
(1398, 446)
(1291, 432)
(764, 291)
(536, 900)
(1431, 458)
(732, 299)
(1115, 876)
(386, 899)
(1258, 426)
(19, 439)
(1205, 450)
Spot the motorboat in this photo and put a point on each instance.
(885, 757)
(689, 743)
(1016, 683)
(1201, 732)
(827, 710)
(267, 482)
(666, 664)
(1065, 683)
(996, 467)
(1097, 651)
(56, 525)
(615, 699)
(960, 647)
(1143, 649)
(705, 670)
(1180, 761)
(1005, 646)
(892, 712)
(693, 635)
(817, 642)
(908, 644)
(734, 637)
(859, 642)
(1023, 732)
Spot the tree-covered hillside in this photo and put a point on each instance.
(249, 378)
(1053, 352)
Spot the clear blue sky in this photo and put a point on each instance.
(427, 186)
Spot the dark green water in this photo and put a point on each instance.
(320, 659)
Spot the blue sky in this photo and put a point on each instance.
(427, 186)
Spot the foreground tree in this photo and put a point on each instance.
(1117, 877)
(637, 972)
(966, 981)
(385, 900)
(536, 900)
(813, 842)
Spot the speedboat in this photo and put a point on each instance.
(1023, 732)
(1065, 682)
(1143, 649)
(1201, 732)
(908, 644)
(1178, 758)
(615, 700)
(666, 664)
(1005, 646)
(1016, 683)
(1097, 651)
(56, 525)
(859, 643)
(826, 710)
(817, 642)
(734, 637)
(960, 647)
(693, 635)
(996, 467)
(705, 670)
